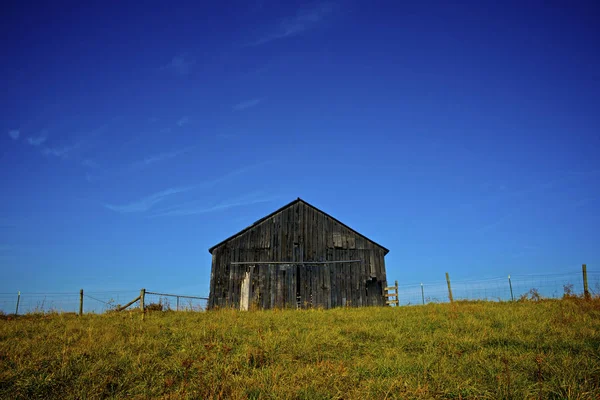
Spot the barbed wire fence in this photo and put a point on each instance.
(175, 302)
(63, 302)
(95, 301)
(506, 288)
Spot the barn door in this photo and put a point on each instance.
(374, 292)
(245, 292)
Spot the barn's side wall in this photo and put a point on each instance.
(299, 233)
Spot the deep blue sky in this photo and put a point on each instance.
(463, 137)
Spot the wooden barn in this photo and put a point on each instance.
(297, 257)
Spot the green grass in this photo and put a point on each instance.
(546, 349)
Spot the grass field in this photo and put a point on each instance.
(532, 349)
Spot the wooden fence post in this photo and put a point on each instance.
(586, 292)
(511, 292)
(449, 288)
(80, 302)
(422, 294)
(18, 300)
(177, 303)
(142, 295)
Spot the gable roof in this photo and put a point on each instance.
(298, 200)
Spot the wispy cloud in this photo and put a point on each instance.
(183, 121)
(14, 134)
(160, 157)
(198, 208)
(85, 141)
(246, 104)
(38, 140)
(304, 20)
(62, 152)
(181, 65)
(146, 203)
(236, 172)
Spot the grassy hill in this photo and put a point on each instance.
(543, 349)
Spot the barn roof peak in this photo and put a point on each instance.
(298, 200)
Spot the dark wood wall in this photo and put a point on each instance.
(298, 233)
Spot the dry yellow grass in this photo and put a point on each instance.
(487, 350)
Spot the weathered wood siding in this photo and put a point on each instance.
(299, 233)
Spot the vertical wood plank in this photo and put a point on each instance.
(349, 283)
(288, 292)
(280, 281)
(232, 258)
(320, 236)
(255, 287)
(338, 283)
(315, 238)
(333, 280)
(292, 234)
(327, 276)
(301, 224)
(262, 285)
(302, 278)
(343, 272)
(309, 232)
(284, 234)
(361, 286)
(372, 266)
(219, 275)
(337, 236)
(305, 287)
(345, 233)
(266, 295)
(273, 280)
(355, 274)
(296, 291)
(360, 242)
(295, 227)
(278, 230)
(320, 284)
(235, 286)
(328, 233)
(313, 285)
(211, 290)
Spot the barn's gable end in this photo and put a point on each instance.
(273, 262)
(296, 213)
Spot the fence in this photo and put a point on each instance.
(94, 301)
(504, 288)
(176, 302)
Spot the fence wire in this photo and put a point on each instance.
(499, 288)
(164, 302)
(490, 289)
(63, 302)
